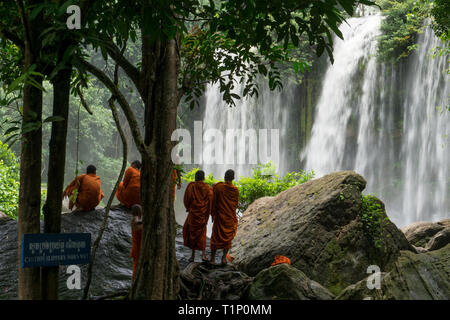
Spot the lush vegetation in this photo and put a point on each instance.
(373, 216)
(9, 182)
(440, 11)
(264, 182)
(405, 20)
(399, 29)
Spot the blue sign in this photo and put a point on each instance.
(54, 249)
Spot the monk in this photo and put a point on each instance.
(136, 235)
(85, 192)
(129, 191)
(198, 201)
(223, 214)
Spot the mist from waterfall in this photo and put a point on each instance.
(266, 116)
(388, 123)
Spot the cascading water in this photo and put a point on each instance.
(426, 130)
(338, 101)
(393, 132)
(265, 117)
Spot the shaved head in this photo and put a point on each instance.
(91, 169)
(229, 175)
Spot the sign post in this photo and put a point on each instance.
(54, 249)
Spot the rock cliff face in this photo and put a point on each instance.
(318, 225)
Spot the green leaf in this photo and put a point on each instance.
(54, 119)
(10, 130)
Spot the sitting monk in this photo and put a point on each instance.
(129, 191)
(85, 192)
(136, 235)
(197, 200)
(223, 214)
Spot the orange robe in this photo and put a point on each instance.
(225, 203)
(280, 260)
(174, 180)
(129, 191)
(89, 191)
(198, 201)
(136, 235)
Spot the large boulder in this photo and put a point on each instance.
(428, 235)
(112, 268)
(284, 282)
(423, 276)
(319, 226)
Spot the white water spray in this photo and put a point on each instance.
(395, 133)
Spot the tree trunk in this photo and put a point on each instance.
(157, 272)
(55, 182)
(30, 177)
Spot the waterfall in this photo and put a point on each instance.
(387, 123)
(265, 116)
(426, 131)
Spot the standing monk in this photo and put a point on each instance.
(129, 191)
(85, 192)
(223, 213)
(198, 201)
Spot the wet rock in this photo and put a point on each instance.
(421, 234)
(204, 281)
(423, 276)
(318, 226)
(439, 240)
(284, 282)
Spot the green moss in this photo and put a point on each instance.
(334, 281)
(373, 216)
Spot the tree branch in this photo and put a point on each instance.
(134, 126)
(116, 54)
(83, 102)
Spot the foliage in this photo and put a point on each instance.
(372, 215)
(263, 183)
(224, 41)
(402, 23)
(440, 11)
(9, 182)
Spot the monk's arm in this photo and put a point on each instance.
(127, 177)
(69, 189)
(187, 197)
